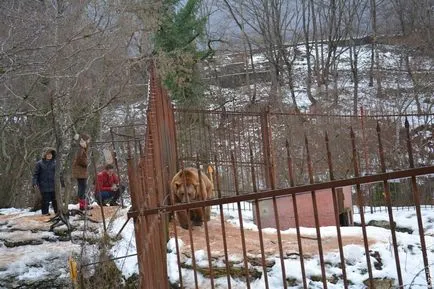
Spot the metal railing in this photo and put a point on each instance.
(247, 163)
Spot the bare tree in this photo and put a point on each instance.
(306, 31)
(415, 22)
(356, 27)
(248, 52)
(63, 63)
(274, 24)
(329, 17)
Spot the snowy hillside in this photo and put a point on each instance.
(393, 91)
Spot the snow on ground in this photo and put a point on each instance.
(31, 254)
(395, 82)
(26, 260)
(126, 246)
(409, 253)
(37, 259)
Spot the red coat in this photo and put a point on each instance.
(104, 182)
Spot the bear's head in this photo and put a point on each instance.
(185, 192)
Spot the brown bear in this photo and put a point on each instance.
(185, 188)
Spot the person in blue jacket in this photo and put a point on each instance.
(44, 179)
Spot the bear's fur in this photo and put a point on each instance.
(185, 188)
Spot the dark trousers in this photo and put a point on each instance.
(48, 197)
(82, 185)
(105, 197)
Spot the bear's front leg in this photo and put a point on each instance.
(207, 214)
(197, 217)
(182, 219)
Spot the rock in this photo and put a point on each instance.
(50, 275)
(236, 272)
(12, 244)
(386, 225)
(379, 223)
(32, 256)
(380, 284)
(378, 263)
(257, 261)
(291, 282)
(404, 230)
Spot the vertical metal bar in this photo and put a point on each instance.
(178, 252)
(193, 257)
(336, 209)
(240, 216)
(205, 223)
(361, 205)
(279, 239)
(365, 153)
(277, 222)
(258, 218)
(315, 214)
(365, 149)
(222, 220)
(175, 124)
(416, 198)
(148, 253)
(115, 159)
(138, 226)
(135, 142)
(297, 222)
(389, 206)
(102, 205)
(241, 140)
(190, 234)
(161, 234)
(141, 150)
(151, 250)
(269, 176)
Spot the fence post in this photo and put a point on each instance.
(266, 143)
(154, 171)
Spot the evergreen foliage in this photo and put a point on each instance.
(177, 44)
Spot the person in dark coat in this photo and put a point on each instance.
(44, 179)
(79, 169)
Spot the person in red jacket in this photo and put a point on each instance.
(107, 190)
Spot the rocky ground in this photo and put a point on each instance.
(34, 249)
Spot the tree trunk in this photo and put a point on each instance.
(355, 76)
(374, 40)
(246, 39)
(315, 41)
(306, 28)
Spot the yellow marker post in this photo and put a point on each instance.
(72, 270)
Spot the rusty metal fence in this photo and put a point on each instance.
(256, 250)
(280, 160)
(150, 165)
(263, 139)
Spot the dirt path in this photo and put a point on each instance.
(253, 248)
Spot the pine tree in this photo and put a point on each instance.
(178, 40)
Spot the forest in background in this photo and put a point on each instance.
(81, 65)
